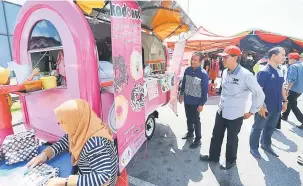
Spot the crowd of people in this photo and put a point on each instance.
(271, 93)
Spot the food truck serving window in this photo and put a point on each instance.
(46, 51)
(44, 35)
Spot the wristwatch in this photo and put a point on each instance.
(66, 182)
(285, 101)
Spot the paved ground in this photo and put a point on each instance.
(167, 160)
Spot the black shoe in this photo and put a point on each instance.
(285, 118)
(207, 158)
(228, 165)
(255, 153)
(300, 160)
(187, 136)
(270, 151)
(300, 126)
(195, 144)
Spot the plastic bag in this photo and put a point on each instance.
(21, 71)
(22, 176)
(12, 177)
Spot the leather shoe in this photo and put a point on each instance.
(284, 118)
(300, 126)
(195, 144)
(188, 136)
(207, 158)
(228, 165)
(255, 153)
(270, 151)
(300, 160)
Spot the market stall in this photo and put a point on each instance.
(98, 52)
(203, 40)
(259, 41)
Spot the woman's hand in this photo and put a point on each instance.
(56, 182)
(36, 71)
(41, 158)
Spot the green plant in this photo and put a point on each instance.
(16, 106)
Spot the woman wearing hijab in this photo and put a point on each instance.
(90, 144)
(6, 101)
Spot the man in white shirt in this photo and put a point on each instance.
(237, 84)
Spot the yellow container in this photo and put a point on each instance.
(49, 82)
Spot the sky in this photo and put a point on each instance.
(229, 17)
(46, 29)
(19, 2)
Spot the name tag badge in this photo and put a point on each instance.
(272, 76)
(281, 74)
(197, 81)
(235, 81)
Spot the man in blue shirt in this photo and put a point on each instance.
(237, 84)
(194, 92)
(295, 86)
(271, 79)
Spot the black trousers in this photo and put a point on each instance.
(193, 121)
(293, 105)
(233, 128)
(279, 123)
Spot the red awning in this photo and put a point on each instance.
(204, 40)
(269, 37)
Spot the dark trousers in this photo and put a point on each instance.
(193, 121)
(266, 126)
(233, 128)
(292, 105)
(279, 123)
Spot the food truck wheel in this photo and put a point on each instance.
(150, 127)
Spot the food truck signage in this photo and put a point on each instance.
(175, 64)
(124, 11)
(128, 80)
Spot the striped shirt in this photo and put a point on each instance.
(98, 161)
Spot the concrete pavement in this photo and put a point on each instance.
(167, 160)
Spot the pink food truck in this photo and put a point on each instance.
(111, 55)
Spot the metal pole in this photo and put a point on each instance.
(8, 34)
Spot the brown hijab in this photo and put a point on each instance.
(80, 122)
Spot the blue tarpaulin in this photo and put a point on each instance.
(254, 43)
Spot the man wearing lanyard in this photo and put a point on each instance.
(295, 86)
(271, 79)
(237, 83)
(194, 90)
